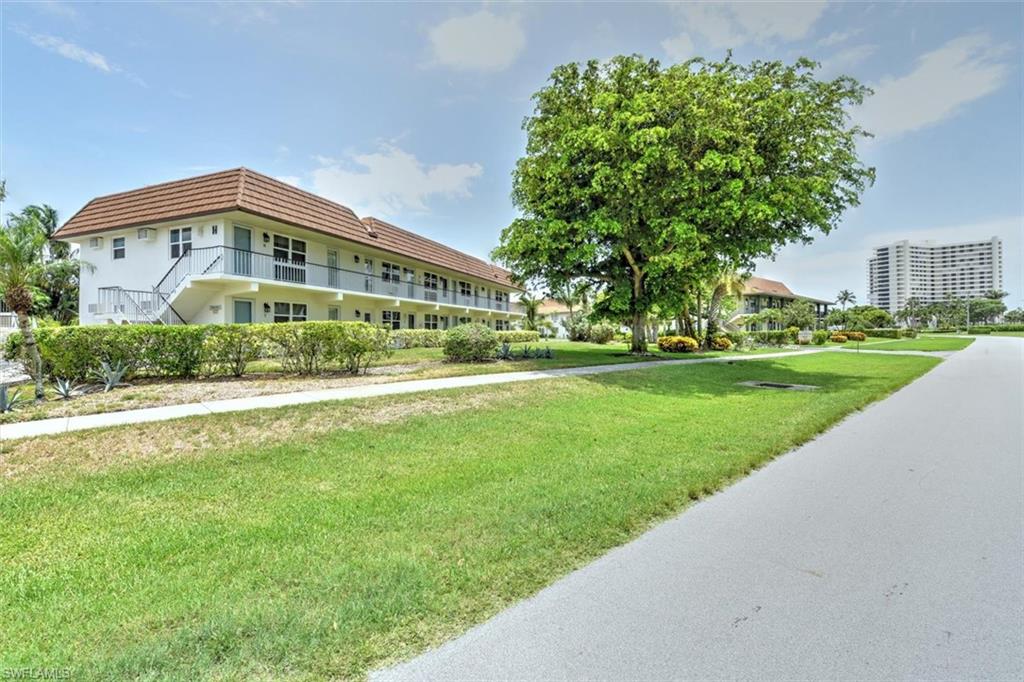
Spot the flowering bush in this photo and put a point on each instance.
(677, 344)
(838, 338)
(721, 343)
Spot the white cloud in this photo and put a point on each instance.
(293, 180)
(837, 37)
(844, 60)
(483, 41)
(679, 48)
(942, 82)
(390, 181)
(77, 53)
(71, 51)
(732, 24)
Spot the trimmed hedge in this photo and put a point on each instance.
(774, 337)
(518, 336)
(883, 333)
(470, 343)
(186, 350)
(677, 344)
(819, 337)
(418, 338)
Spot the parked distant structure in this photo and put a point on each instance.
(932, 272)
(760, 294)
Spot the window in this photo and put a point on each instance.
(333, 313)
(287, 249)
(289, 312)
(500, 296)
(429, 280)
(118, 246)
(465, 289)
(391, 318)
(465, 320)
(181, 241)
(430, 321)
(389, 272)
(502, 325)
(411, 320)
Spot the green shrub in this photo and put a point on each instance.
(470, 343)
(518, 336)
(739, 338)
(677, 344)
(75, 353)
(173, 351)
(577, 327)
(359, 344)
(229, 348)
(908, 333)
(418, 338)
(883, 333)
(773, 337)
(819, 337)
(601, 333)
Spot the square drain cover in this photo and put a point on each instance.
(781, 386)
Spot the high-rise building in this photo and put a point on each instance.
(932, 272)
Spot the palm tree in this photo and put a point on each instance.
(22, 272)
(728, 283)
(530, 305)
(846, 297)
(46, 217)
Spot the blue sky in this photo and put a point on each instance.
(412, 112)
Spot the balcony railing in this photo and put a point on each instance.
(137, 307)
(230, 261)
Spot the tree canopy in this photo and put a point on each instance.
(646, 180)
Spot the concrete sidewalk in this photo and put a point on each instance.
(44, 427)
(891, 547)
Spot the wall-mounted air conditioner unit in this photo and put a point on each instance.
(95, 242)
(147, 234)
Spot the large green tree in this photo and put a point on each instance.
(644, 180)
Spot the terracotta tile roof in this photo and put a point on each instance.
(766, 287)
(244, 190)
(396, 240)
(770, 287)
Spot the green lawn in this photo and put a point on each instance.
(1007, 333)
(925, 343)
(323, 541)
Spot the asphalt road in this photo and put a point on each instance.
(891, 547)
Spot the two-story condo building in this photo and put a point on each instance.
(238, 246)
(760, 294)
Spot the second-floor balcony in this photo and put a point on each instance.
(210, 262)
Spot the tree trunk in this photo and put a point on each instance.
(698, 314)
(638, 344)
(714, 305)
(32, 351)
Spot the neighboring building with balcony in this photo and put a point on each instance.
(931, 272)
(760, 294)
(238, 246)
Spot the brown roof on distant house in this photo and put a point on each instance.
(244, 190)
(769, 287)
(550, 305)
(766, 287)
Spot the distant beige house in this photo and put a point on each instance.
(556, 313)
(761, 294)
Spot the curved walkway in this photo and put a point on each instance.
(891, 547)
(44, 427)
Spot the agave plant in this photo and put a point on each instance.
(8, 401)
(111, 375)
(505, 352)
(548, 354)
(66, 388)
(528, 353)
